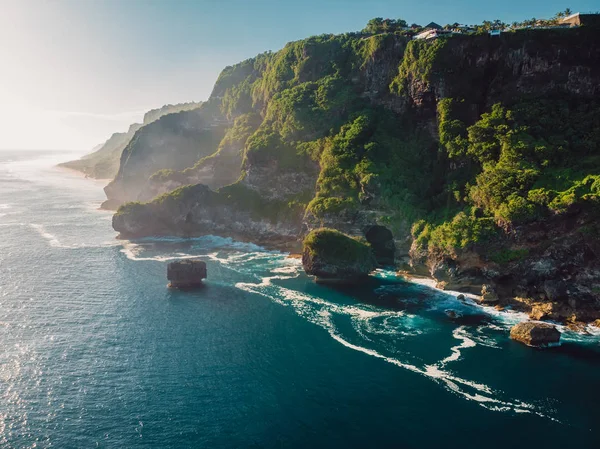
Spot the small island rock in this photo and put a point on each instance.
(186, 273)
(535, 334)
(330, 255)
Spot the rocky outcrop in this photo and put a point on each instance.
(331, 255)
(382, 242)
(535, 334)
(186, 273)
(488, 294)
(197, 210)
(173, 142)
(554, 274)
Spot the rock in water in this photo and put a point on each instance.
(330, 255)
(535, 334)
(186, 273)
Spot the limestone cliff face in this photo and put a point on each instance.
(483, 70)
(216, 170)
(175, 141)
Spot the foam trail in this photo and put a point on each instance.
(460, 334)
(131, 251)
(41, 230)
(507, 317)
(473, 391)
(321, 312)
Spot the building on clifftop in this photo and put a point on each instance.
(579, 19)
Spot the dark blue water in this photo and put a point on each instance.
(95, 351)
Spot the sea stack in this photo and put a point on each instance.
(535, 334)
(186, 273)
(331, 256)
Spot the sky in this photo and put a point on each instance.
(72, 72)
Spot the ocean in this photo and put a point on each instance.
(96, 351)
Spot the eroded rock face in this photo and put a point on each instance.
(535, 334)
(186, 273)
(488, 294)
(557, 278)
(381, 240)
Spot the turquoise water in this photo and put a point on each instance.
(95, 351)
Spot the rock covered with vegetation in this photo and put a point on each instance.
(479, 154)
(330, 254)
(535, 334)
(197, 210)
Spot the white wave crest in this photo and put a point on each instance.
(56, 243)
(41, 230)
(304, 305)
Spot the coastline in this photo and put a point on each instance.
(293, 248)
(588, 330)
(80, 174)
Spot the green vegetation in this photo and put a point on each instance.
(244, 198)
(334, 247)
(459, 233)
(509, 255)
(379, 25)
(514, 162)
(358, 110)
(538, 157)
(132, 208)
(422, 60)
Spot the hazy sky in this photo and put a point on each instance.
(72, 72)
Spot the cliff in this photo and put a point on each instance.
(458, 147)
(103, 162)
(173, 142)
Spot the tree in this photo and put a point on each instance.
(568, 12)
(374, 25)
(380, 25)
(498, 24)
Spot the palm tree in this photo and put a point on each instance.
(568, 12)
